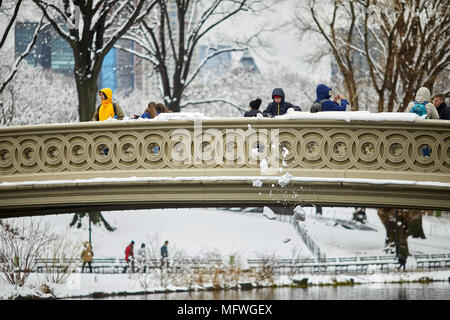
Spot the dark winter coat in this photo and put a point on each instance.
(444, 111)
(401, 258)
(251, 113)
(322, 93)
(164, 251)
(273, 109)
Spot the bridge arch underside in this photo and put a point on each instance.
(54, 198)
(229, 162)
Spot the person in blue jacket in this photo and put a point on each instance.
(323, 96)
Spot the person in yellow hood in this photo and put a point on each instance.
(107, 109)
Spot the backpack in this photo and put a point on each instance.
(114, 107)
(419, 109)
(317, 106)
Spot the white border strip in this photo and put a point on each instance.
(283, 179)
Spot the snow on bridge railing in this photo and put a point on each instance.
(361, 144)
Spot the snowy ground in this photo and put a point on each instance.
(245, 235)
(191, 231)
(337, 241)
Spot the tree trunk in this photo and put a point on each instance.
(87, 95)
(415, 228)
(409, 223)
(393, 225)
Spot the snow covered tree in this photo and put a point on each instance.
(400, 45)
(37, 96)
(21, 242)
(237, 86)
(9, 11)
(168, 40)
(92, 28)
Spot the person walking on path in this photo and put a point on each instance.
(129, 257)
(278, 106)
(165, 254)
(87, 256)
(107, 109)
(401, 261)
(142, 258)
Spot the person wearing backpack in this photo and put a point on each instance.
(422, 105)
(107, 109)
(322, 103)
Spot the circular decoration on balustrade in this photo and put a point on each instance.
(257, 143)
(53, 154)
(128, 150)
(394, 150)
(445, 156)
(286, 154)
(151, 146)
(310, 147)
(234, 150)
(208, 149)
(336, 150)
(26, 155)
(76, 152)
(6, 155)
(422, 149)
(178, 153)
(287, 147)
(102, 153)
(365, 150)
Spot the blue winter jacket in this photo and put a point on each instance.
(164, 251)
(147, 115)
(323, 92)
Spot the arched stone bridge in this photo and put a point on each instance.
(46, 169)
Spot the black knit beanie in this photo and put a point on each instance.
(255, 104)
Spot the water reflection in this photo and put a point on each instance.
(409, 291)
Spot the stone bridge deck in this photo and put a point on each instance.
(47, 169)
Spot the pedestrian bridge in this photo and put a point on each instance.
(114, 165)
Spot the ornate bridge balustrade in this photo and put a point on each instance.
(220, 162)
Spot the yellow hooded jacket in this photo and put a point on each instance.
(106, 109)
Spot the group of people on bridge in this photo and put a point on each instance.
(423, 105)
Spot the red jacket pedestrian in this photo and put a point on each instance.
(129, 251)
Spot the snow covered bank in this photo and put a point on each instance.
(100, 285)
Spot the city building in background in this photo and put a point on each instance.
(53, 52)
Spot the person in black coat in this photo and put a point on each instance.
(279, 106)
(253, 108)
(401, 261)
(441, 107)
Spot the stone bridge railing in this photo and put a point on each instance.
(224, 161)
